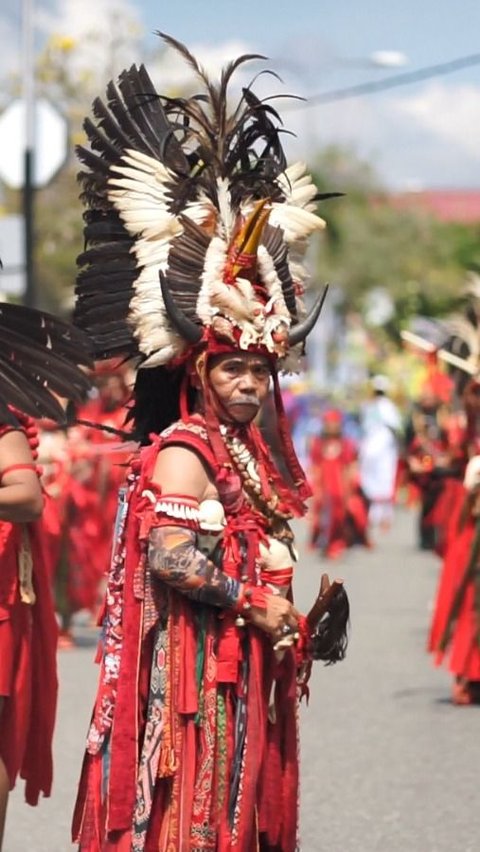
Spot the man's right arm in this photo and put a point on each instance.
(174, 558)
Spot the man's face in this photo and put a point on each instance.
(240, 382)
(332, 428)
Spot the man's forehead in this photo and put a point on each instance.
(249, 359)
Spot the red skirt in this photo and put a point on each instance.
(15, 636)
(28, 681)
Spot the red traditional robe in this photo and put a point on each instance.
(28, 679)
(182, 753)
(461, 653)
(84, 480)
(338, 514)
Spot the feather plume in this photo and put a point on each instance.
(168, 182)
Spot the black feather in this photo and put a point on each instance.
(39, 355)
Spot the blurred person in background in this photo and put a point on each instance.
(454, 638)
(84, 468)
(433, 456)
(38, 356)
(381, 427)
(28, 630)
(339, 513)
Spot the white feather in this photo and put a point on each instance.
(163, 356)
(269, 276)
(135, 179)
(295, 222)
(201, 210)
(297, 186)
(213, 271)
(227, 219)
(143, 162)
(147, 315)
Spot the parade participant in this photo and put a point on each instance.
(90, 473)
(432, 463)
(104, 436)
(429, 458)
(37, 361)
(454, 636)
(195, 220)
(378, 454)
(339, 513)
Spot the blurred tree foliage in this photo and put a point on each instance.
(369, 243)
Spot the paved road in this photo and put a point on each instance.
(389, 765)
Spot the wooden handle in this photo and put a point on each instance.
(327, 592)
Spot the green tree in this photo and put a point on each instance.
(369, 243)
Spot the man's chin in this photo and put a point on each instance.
(243, 414)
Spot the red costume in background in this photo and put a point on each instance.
(83, 473)
(454, 638)
(98, 467)
(28, 640)
(339, 514)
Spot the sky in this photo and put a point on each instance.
(421, 135)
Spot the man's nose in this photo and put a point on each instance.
(248, 383)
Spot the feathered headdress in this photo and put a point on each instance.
(38, 363)
(195, 226)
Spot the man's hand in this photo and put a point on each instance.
(278, 615)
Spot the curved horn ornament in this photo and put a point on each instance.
(187, 329)
(300, 331)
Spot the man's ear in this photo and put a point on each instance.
(196, 383)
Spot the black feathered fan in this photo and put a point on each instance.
(39, 355)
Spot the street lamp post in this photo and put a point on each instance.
(28, 86)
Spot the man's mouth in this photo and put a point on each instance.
(249, 401)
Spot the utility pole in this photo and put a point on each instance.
(28, 93)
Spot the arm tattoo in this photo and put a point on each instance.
(173, 557)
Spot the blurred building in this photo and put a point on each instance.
(447, 205)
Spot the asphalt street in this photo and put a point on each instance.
(388, 763)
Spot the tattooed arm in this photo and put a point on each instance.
(173, 557)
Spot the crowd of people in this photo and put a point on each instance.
(426, 458)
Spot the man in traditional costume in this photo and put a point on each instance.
(195, 229)
(38, 354)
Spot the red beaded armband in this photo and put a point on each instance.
(252, 596)
(13, 467)
(5, 428)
